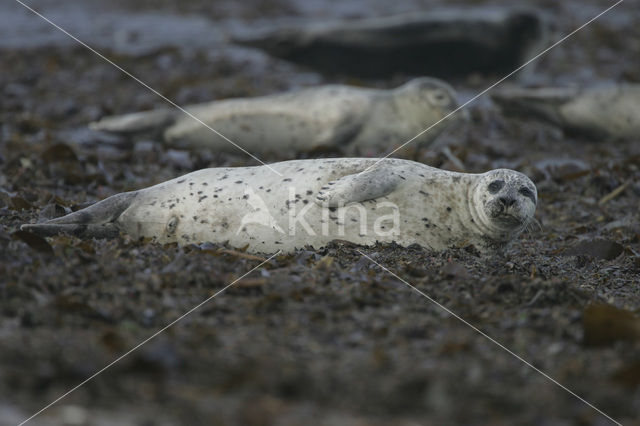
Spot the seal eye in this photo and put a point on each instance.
(528, 193)
(495, 186)
(438, 97)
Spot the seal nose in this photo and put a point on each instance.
(507, 201)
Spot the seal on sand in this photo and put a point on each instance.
(448, 43)
(606, 112)
(316, 201)
(346, 118)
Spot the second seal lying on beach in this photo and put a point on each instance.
(344, 118)
(313, 202)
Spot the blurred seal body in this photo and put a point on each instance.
(606, 112)
(453, 42)
(339, 117)
(314, 202)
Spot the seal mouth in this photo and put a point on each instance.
(509, 219)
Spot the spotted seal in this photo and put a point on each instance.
(447, 43)
(605, 112)
(350, 119)
(316, 201)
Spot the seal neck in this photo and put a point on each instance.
(412, 109)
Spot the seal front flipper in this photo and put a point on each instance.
(95, 221)
(344, 132)
(366, 185)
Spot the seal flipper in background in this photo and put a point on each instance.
(95, 221)
(607, 112)
(544, 104)
(137, 122)
(369, 184)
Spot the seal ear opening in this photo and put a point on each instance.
(95, 221)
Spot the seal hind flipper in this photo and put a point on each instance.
(95, 221)
(542, 103)
(106, 230)
(362, 186)
(136, 122)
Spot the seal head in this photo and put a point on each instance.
(436, 93)
(502, 203)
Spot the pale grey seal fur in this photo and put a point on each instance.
(605, 112)
(447, 43)
(315, 202)
(350, 119)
